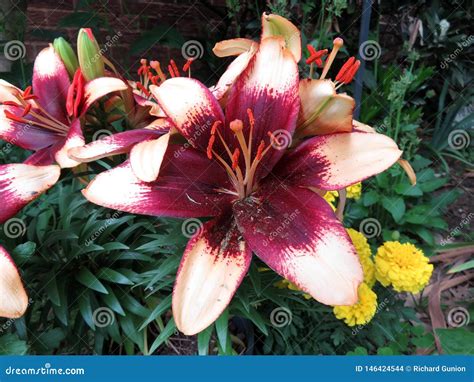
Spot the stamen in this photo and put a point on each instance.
(347, 65)
(212, 139)
(14, 117)
(31, 96)
(260, 148)
(337, 44)
(175, 68)
(27, 92)
(214, 127)
(235, 159)
(11, 103)
(187, 65)
(143, 89)
(251, 117)
(349, 75)
(156, 65)
(27, 110)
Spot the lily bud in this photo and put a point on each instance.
(90, 57)
(67, 54)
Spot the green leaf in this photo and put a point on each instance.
(462, 267)
(86, 309)
(432, 185)
(456, 341)
(384, 351)
(51, 288)
(113, 276)
(162, 307)
(370, 197)
(86, 278)
(407, 189)
(167, 332)
(204, 338)
(222, 328)
(112, 302)
(394, 205)
(358, 351)
(10, 344)
(24, 251)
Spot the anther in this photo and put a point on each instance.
(251, 117)
(235, 159)
(214, 127)
(347, 65)
(27, 110)
(209, 146)
(260, 149)
(187, 65)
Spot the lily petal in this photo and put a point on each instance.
(323, 111)
(269, 88)
(8, 92)
(22, 183)
(191, 107)
(13, 298)
(233, 47)
(231, 74)
(24, 135)
(99, 87)
(112, 145)
(275, 25)
(146, 158)
(187, 187)
(213, 266)
(335, 161)
(51, 83)
(295, 232)
(73, 139)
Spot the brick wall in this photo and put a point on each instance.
(125, 21)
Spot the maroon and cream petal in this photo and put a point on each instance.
(22, 183)
(112, 145)
(24, 135)
(295, 232)
(233, 47)
(99, 87)
(147, 157)
(269, 88)
(275, 25)
(322, 110)
(13, 298)
(74, 139)
(42, 157)
(51, 83)
(191, 107)
(8, 92)
(214, 263)
(335, 161)
(233, 71)
(188, 186)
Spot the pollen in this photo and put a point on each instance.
(235, 159)
(212, 139)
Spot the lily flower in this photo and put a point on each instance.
(13, 298)
(44, 118)
(240, 168)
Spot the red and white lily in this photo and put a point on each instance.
(44, 118)
(256, 187)
(13, 298)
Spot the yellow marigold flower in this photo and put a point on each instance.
(330, 197)
(365, 255)
(403, 266)
(361, 312)
(354, 191)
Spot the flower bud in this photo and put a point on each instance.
(90, 57)
(67, 54)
